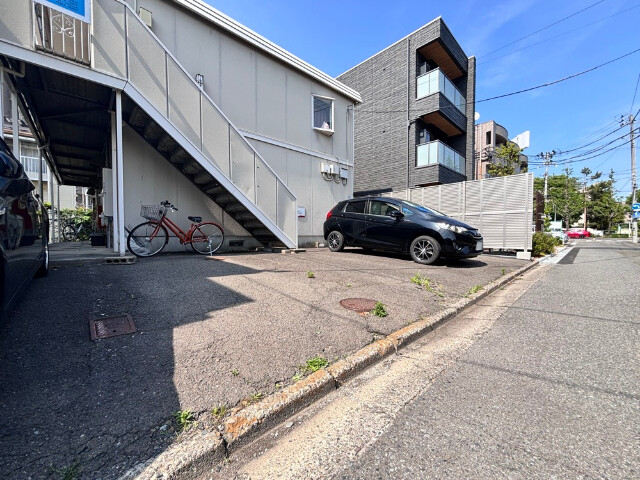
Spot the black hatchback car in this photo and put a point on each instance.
(24, 228)
(395, 225)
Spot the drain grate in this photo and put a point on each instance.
(360, 305)
(120, 260)
(111, 326)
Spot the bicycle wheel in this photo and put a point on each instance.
(207, 238)
(147, 239)
(69, 233)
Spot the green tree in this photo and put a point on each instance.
(604, 209)
(506, 160)
(565, 199)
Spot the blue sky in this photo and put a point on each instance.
(336, 35)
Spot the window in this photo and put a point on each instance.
(488, 142)
(323, 114)
(355, 207)
(377, 207)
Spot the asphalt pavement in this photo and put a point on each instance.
(537, 381)
(551, 391)
(209, 332)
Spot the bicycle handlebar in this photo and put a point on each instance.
(167, 203)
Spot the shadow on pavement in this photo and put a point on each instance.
(104, 404)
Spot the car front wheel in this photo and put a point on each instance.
(335, 240)
(425, 250)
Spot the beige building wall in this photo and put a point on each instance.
(269, 102)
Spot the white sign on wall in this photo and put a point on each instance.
(80, 9)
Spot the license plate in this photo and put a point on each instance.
(479, 246)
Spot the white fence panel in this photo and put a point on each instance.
(501, 208)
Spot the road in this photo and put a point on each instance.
(540, 380)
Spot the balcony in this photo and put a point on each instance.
(437, 82)
(436, 152)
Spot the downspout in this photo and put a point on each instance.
(408, 117)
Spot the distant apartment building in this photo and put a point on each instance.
(415, 125)
(67, 196)
(488, 137)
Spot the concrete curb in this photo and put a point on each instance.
(199, 453)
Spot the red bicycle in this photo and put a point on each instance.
(149, 238)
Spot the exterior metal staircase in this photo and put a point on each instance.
(167, 108)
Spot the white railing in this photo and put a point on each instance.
(436, 152)
(60, 34)
(435, 81)
(122, 46)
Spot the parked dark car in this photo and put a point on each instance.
(24, 228)
(399, 226)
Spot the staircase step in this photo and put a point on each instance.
(225, 199)
(244, 216)
(166, 144)
(152, 132)
(233, 207)
(138, 118)
(252, 224)
(202, 178)
(214, 190)
(191, 168)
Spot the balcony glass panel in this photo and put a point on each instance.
(435, 81)
(437, 152)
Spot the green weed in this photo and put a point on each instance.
(379, 310)
(67, 473)
(427, 284)
(310, 274)
(234, 372)
(219, 411)
(255, 397)
(316, 363)
(185, 419)
(472, 290)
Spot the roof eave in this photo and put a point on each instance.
(236, 29)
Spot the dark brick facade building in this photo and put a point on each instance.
(415, 126)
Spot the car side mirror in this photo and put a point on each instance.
(397, 214)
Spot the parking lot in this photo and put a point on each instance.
(209, 332)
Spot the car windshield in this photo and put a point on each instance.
(423, 209)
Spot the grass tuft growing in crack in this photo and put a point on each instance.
(429, 285)
(66, 473)
(219, 411)
(185, 419)
(316, 363)
(474, 289)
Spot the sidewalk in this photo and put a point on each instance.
(209, 332)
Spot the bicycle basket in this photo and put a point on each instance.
(153, 212)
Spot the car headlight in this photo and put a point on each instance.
(453, 228)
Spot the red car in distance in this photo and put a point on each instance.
(577, 233)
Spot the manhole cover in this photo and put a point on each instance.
(111, 326)
(360, 305)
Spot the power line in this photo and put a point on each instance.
(634, 94)
(560, 80)
(560, 152)
(544, 28)
(557, 36)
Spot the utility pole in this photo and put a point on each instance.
(634, 221)
(547, 161)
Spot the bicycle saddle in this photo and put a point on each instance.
(195, 219)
